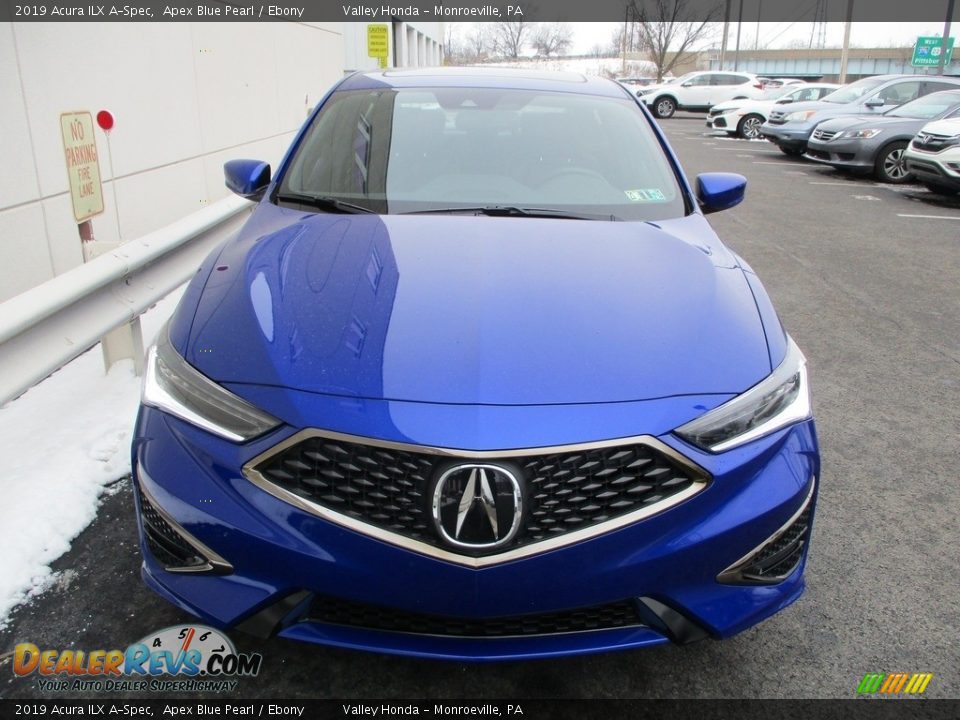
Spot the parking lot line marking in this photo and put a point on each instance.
(930, 217)
(796, 172)
(746, 149)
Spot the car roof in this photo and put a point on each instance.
(485, 77)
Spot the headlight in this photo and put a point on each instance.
(781, 399)
(864, 134)
(799, 116)
(172, 385)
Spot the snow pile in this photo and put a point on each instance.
(604, 66)
(65, 440)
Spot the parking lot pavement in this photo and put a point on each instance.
(866, 278)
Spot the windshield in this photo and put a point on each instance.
(853, 91)
(927, 107)
(443, 149)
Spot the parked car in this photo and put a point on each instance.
(637, 82)
(699, 91)
(790, 128)
(776, 83)
(877, 144)
(933, 156)
(744, 117)
(477, 380)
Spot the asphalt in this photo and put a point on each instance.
(872, 296)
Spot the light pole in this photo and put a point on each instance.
(945, 39)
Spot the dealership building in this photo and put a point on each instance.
(182, 98)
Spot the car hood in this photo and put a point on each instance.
(873, 121)
(947, 127)
(475, 310)
(746, 105)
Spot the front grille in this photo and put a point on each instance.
(931, 143)
(817, 154)
(334, 611)
(720, 122)
(777, 117)
(167, 545)
(824, 135)
(390, 488)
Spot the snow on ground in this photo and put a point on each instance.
(69, 439)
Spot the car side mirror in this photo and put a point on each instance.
(875, 103)
(720, 191)
(247, 178)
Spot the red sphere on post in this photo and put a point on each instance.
(105, 120)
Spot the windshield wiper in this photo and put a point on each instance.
(323, 202)
(512, 211)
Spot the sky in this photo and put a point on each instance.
(773, 35)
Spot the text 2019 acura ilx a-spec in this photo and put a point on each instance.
(477, 380)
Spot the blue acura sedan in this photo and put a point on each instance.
(477, 380)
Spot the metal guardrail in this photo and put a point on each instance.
(44, 328)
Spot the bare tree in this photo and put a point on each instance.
(477, 43)
(668, 26)
(553, 38)
(453, 53)
(510, 38)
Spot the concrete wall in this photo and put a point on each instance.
(186, 97)
(411, 45)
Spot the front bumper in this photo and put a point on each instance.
(843, 153)
(284, 559)
(931, 168)
(792, 136)
(727, 122)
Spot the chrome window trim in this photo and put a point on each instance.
(215, 563)
(701, 481)
(733, 575)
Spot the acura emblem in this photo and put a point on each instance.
(477, 507)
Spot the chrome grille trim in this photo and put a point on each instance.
(701, 479)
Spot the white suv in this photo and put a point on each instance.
(933, 155)
(699, 91)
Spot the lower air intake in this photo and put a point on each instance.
(335, 611)
(173, 547)
(778, 557)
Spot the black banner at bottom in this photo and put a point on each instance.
(862, 709)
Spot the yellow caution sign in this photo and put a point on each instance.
(378, 42)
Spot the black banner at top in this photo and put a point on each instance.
(477, 11)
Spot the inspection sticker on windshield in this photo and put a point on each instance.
(645, 195)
